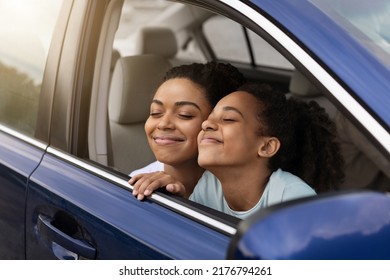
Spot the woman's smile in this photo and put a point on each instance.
(167, 140)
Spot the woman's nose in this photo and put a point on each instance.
(208, 125)
(165, 122)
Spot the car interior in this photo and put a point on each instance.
(138, 51)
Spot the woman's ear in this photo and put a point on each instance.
(269, 146)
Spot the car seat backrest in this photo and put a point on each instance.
(156, 40)
(134, 82)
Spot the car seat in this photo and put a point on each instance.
(134, 82)
(156, 40)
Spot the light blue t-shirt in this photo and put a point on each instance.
(282, 186)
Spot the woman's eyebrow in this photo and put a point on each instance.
(229, 108)
(183, 103)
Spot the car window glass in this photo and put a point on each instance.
(266, 55)
(26, 29)
(136, 15)
(230, 44)
(142, 30)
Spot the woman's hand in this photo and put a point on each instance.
(146, 183)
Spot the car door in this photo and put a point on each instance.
(19, 156)
(78, 209)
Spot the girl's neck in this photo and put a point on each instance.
(243, 187)
(186, 173)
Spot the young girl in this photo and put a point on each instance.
(180, 105)
(261, 149)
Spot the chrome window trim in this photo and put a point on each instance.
(164, 201)
(22, 137)
(104, 174)
(323, 77)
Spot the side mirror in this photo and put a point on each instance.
(340, 225)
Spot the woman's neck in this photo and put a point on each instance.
(186, 173)
(243, 187)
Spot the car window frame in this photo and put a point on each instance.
(275, 36)
(211, 218)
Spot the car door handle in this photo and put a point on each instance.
(47, 230)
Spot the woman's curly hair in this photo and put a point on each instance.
(309, 148)
(215, 78)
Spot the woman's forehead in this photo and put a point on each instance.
(180, 89)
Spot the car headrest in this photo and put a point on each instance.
(134, 82)
(301, 86)
(156, 40)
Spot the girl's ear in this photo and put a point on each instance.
(269, 146)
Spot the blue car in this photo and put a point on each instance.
(65, 151)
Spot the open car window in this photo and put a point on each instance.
(198, 35)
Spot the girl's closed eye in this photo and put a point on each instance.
(229, 120)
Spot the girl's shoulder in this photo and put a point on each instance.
(285, 186)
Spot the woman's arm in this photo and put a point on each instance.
(146, 183)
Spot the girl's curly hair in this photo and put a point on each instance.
(309, 148)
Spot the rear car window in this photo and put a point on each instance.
(26, 29)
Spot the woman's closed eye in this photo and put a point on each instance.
(185, 116)
(155, 114)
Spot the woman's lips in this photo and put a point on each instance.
(167, 140)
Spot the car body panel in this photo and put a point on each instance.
(111, 219)
(347, 226)
(18, 159)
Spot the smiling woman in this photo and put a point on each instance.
(176, 113)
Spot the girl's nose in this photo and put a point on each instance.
(208, 125)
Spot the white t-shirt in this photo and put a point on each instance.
(282, 186)
(152, 167)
